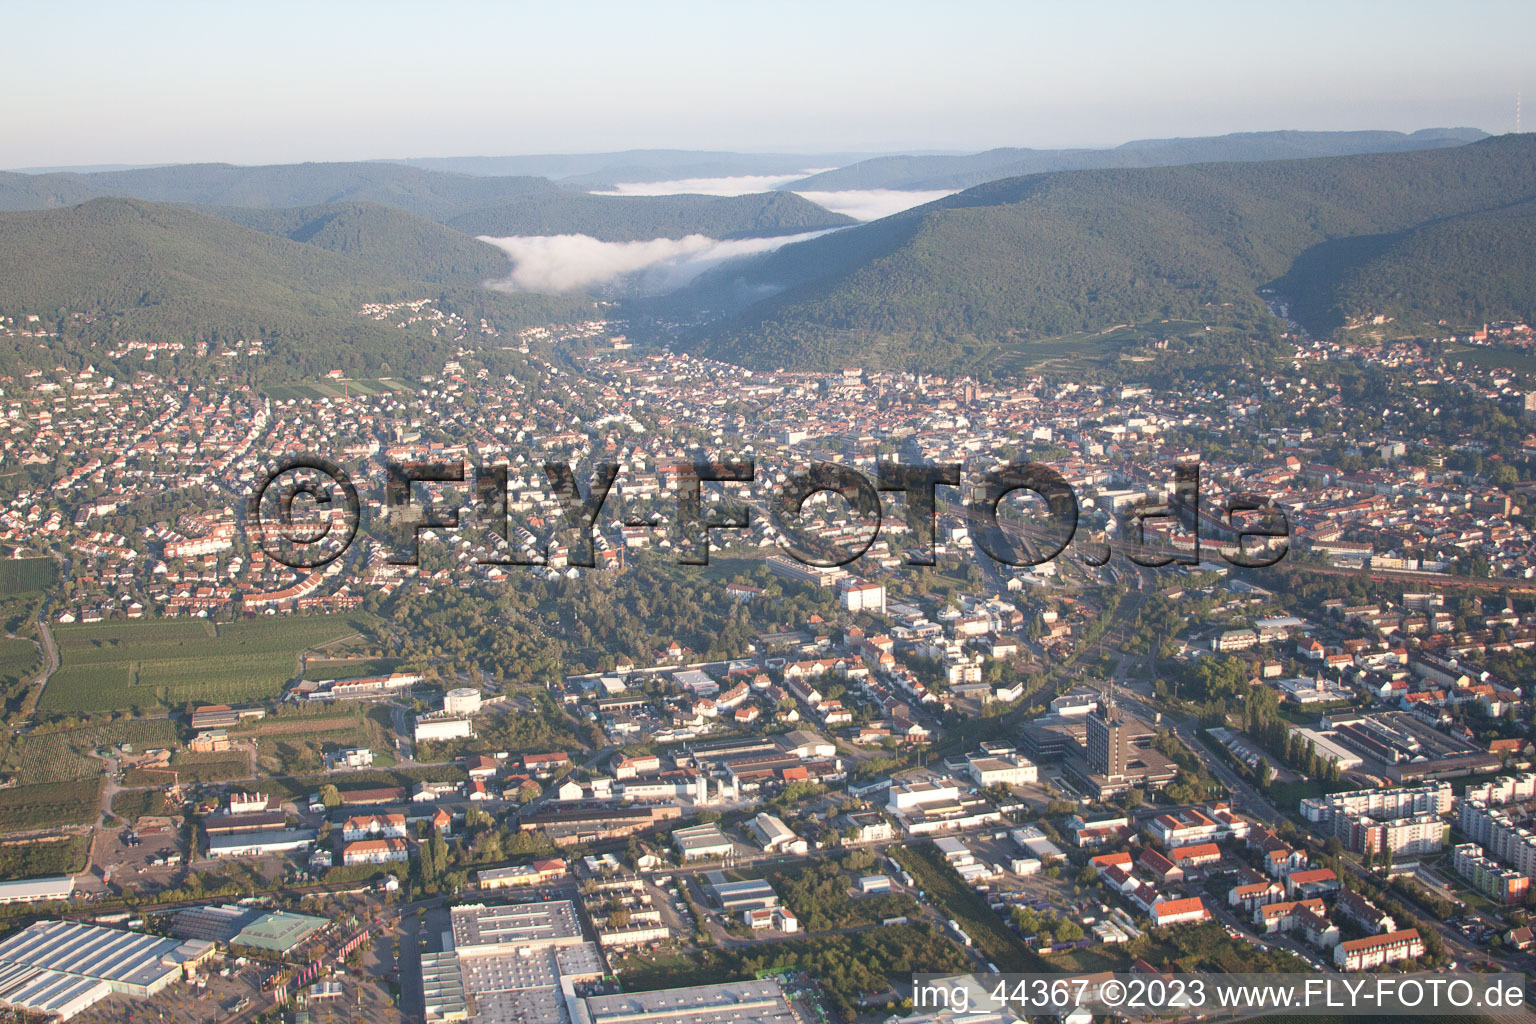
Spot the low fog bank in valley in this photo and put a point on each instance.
(566, 263)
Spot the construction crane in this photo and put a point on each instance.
(174, 793)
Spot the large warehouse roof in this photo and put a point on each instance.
(61, 967)
(737, 1002)
(29, 890)
(279, 931)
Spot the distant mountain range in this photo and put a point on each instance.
(288, 252)
(596, 170)
(958, 172)
(295, 278)
(1420, 236)
(469, 204)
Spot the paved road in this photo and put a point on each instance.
(50, 666)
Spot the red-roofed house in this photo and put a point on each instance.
(1185, 911)
(1120, 860)
(375, 851)
(1195, 856)
(1364, 954)
(1255, 894)
(1163, 869)
(1311, 883)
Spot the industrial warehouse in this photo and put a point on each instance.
(61, 968)
(528, 963)
(519, 963)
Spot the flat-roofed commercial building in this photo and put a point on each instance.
(733, 897)
(442, 985)
(700, 842)
(528, 986)
(480, 928)
(521, 964)
(515, 964)
(1007, 770)
(34, 890)
(539, 872)
(60, 968)
(257, 844)
(439, 727)
(737, 1002)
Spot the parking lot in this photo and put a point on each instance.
(144, 860)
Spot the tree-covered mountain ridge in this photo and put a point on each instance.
(471, 204)
(151, 272)
(1052, 254)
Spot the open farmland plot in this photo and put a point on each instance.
(190, 767)
(321, 669)
(84, 689)
(50, 804)
(300, 721)
(64, 755)
(18, 659)
(19, 575)
(54, 855)
(111, 666)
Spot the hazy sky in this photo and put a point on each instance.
(279, 81)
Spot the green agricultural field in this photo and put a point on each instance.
(190, 767)
(18, 659)
(1490, 358)
(349, 668)
(19, 575)
(63, 755)
(133, 804)
(170, 663)
(65, 855)
(50, 804)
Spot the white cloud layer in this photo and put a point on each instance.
(739, 185)
(872, 203)
(565, 263)
(860, 204)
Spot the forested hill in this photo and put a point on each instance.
(1047, 255)
(1461, 270)
(474, 205)
(954, 172)
(153, 272)
(388, 240)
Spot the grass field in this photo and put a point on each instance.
(310, 391)
(1493, 358)
(120, 665)
(48, 805)
(19, 575)
(131, 805)
(190, 767)
(321, 669)
(64, 855)
(18, 659)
